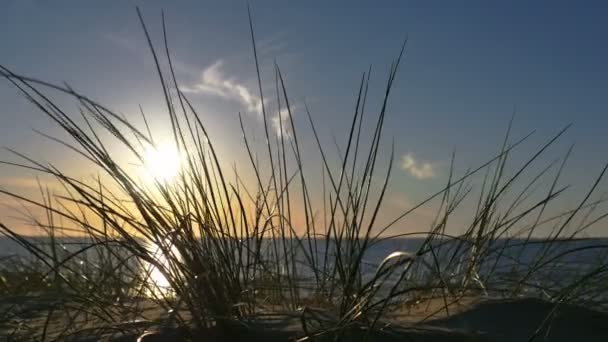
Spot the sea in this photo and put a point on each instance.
(549, 268)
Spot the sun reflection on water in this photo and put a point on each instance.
(157, 283)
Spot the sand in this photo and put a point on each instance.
(529, 320)
(470, 319)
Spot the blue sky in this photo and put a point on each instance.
(468, 64)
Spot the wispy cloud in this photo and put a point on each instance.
(214, 82)
(416, 168)
(281, 123)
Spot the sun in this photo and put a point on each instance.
(162, 162)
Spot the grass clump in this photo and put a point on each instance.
(232, 253)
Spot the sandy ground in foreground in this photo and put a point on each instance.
(468, 319)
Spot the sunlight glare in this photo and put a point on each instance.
(158, 284)
(162, 162)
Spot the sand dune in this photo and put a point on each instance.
(521, 319)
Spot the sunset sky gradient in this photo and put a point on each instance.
(468, 66)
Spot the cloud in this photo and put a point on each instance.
(416, 168)
(214, 82)
(281, 123)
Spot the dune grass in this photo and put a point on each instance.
(232, 252)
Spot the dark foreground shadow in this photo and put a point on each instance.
(492, 320)
(522, 320)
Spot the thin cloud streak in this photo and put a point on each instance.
(281, 123)
(214, 82)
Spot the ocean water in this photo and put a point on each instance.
(539, 265)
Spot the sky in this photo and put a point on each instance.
(468, 66)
